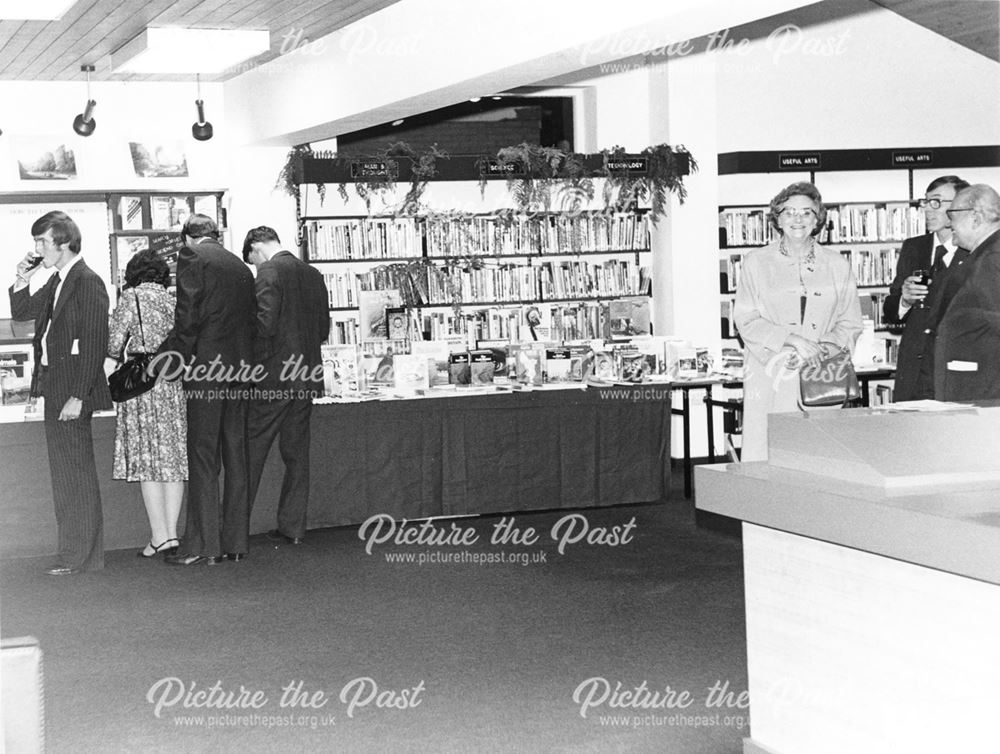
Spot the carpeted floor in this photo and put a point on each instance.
(496, 652)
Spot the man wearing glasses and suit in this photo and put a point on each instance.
(916, 305)
(71, 338)
(967, 352)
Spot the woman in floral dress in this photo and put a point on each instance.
(150, 436)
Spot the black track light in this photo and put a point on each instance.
(201, 130)
(84, 123)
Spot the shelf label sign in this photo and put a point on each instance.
(799, 160)
(635, 164)
(910, 157)
(495, 167)
(369, 168)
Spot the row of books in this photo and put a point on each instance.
(371, 238)
(540, 234)
(876, 267)
(613, 320)
(844, 224)
(880, 222)
(506, 283)
(444, 286)
(352, 370)
(745, 227)
(729, 274)
(617, 277)
(871, 306)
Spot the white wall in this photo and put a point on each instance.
(146, 112)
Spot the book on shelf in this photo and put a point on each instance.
(130, 212)
(628, 317)
(343, 331)
(371, 311)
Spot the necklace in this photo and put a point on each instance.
(810, 260)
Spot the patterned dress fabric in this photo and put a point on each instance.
(150, 438)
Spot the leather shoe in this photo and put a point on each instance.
(277, 536)
(236, 557)
(190, 560)
(61, 571)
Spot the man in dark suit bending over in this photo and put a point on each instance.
(71, 337)
(967, 356)
(293, 320)
(920, 307)
(213, 336)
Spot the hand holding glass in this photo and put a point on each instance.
(924, 279)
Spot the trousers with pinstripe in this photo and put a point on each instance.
(75, 489)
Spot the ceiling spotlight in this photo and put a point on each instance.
(496, 96)
(84, 123)
(398, 122)
(474, 99)
(201, 130)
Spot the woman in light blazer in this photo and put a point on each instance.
(796, 302)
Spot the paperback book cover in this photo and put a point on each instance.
(410, 373)
(377, 361)
(558, 365)
(604, 366)
(629, 317)
(634, 366)
(461, 373)
(436, 353)
(481, 367)
(342, 367)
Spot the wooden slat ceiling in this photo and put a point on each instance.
(92, 29)
(971, 23)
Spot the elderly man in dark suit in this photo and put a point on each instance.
(71, 335)
(293, 320)
(915, 305)
(967, 355)
(213, 338)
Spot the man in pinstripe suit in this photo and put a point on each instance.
(71, 337)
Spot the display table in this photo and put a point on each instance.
(441, 456)
(872, 609)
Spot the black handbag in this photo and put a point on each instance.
(130, 379)
(830, 382)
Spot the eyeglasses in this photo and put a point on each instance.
(934, 203)
(950, 212)
(791, 213)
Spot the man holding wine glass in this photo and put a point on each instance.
(915, 296)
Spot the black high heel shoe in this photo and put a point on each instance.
(160, 549)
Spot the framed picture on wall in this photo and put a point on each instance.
(44, 159)
(162, 160)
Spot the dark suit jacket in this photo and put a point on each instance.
(293, 319)
(969, 330)
(215, 313)
(77, 339)
(915, 363)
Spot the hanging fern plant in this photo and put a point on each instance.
(624, 189)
